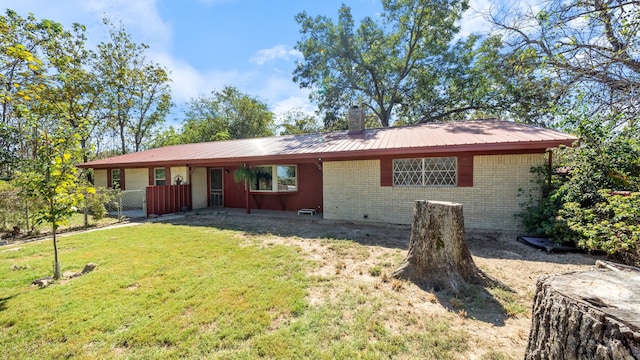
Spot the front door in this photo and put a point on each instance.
(216, 188)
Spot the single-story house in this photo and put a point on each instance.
(370, 175)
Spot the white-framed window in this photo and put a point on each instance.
(115, 179)
(275, 178)
(437, 171)
(159, 176)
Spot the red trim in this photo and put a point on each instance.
(109, 180)
(122, 180)
(386, 172)
(465, 171)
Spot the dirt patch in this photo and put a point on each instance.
(496, 320)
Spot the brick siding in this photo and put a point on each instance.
(352, 190)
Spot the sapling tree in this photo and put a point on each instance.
(51, 175)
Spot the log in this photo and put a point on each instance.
(587, 315)
(438, 256)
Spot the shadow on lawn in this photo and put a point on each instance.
(393, 236)
(384, 235)
(3, 302)
(474, 301)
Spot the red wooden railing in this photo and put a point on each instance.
(167, 199)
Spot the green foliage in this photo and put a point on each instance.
(611, 225)
(578, 207)
(52, 177)
(227, 114)
(136, 96)
(379, 63)
(244, 174)
(95, 204)
(298, 122)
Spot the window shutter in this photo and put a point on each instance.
(465, 171)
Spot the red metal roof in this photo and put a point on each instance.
(477, 136)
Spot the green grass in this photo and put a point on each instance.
(163, 291)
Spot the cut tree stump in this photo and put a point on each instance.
(438, 256)
(587, 315)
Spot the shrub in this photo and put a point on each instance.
(611, 225)
(95, 205)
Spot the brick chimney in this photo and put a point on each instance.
(356, 119)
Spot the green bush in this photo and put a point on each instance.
(611, 225)
(95, 205)
(574, 208)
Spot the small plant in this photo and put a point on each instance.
(385, 278)
(462, 313)
(456, 303)
(375, 271)
(397, 285)
(432, 298)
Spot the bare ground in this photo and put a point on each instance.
(495, 322)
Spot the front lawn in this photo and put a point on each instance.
(196, 292)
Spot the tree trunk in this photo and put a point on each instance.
(438, 256)
(56, 262)
(587, 315)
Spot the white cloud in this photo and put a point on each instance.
(274, 53)
(189, 82)
(140, 18)
(473, 20)
(300, 101)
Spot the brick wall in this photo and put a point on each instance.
(352, 190)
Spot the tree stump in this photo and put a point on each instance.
(587, 315)
(438, 256)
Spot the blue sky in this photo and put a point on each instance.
(207, 44)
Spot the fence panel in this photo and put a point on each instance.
(167, 199)
(127, 203)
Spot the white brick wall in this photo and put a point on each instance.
(352, 189)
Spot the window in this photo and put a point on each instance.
(159, 176)
(115, 179)
(276, 178)
(425, 172)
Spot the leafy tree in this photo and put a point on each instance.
(296, 121)
(381, 63)
(590, 46)
(477, 80)
(74, 85)
(23, 81)
(227, 114)
(51, 176)
(136, 91)
(245, 116)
